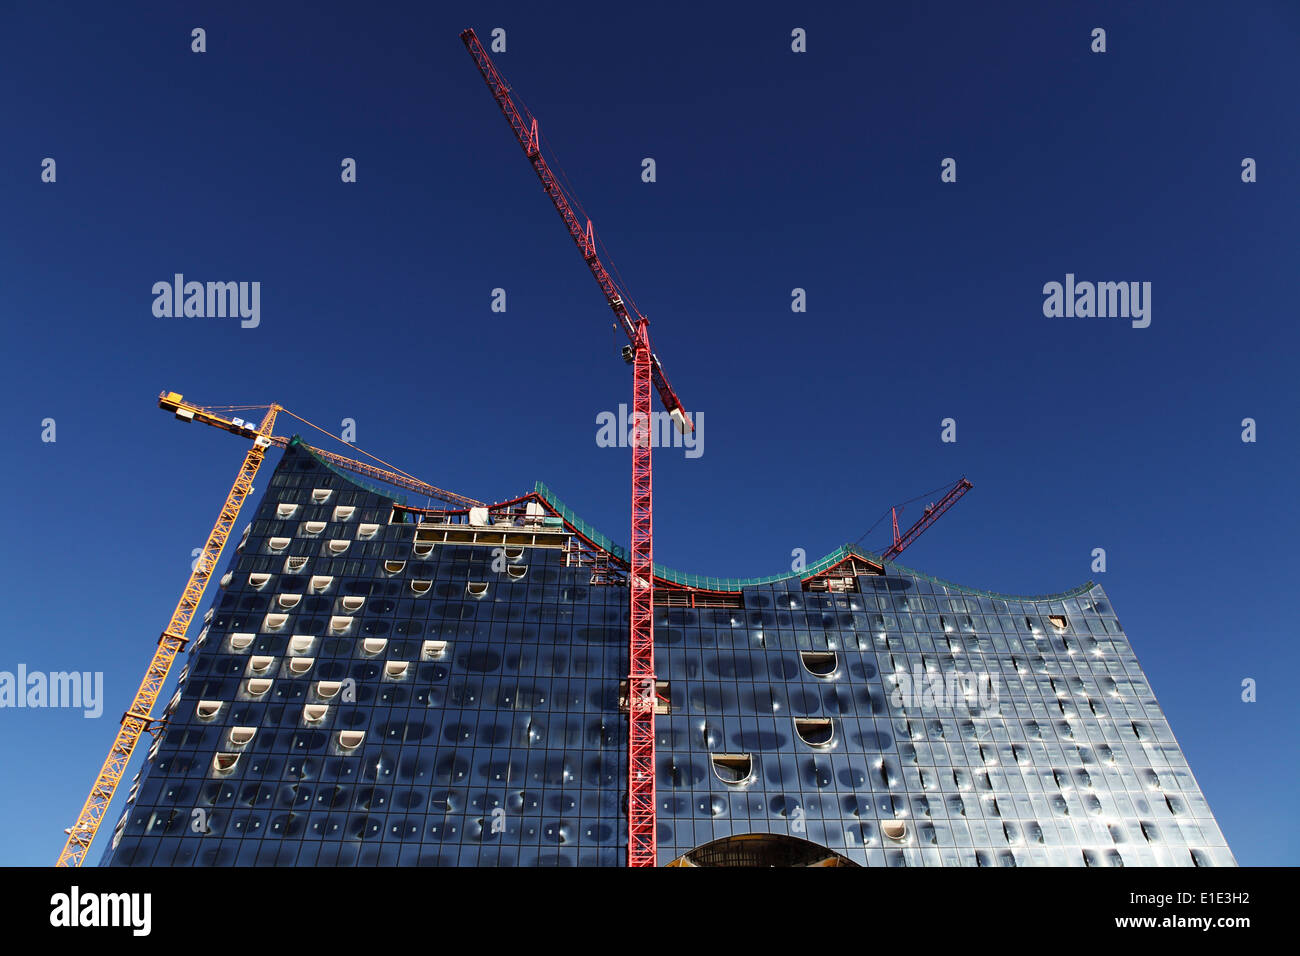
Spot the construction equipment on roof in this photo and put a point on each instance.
(929, 516)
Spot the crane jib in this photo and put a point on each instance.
(525, 131)
(647, 373)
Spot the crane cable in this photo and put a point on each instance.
(571, 196)
(386, 464)
(237, 408)
(903, 504)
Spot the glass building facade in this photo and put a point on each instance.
(383, 685)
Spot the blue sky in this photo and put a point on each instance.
(775, 170)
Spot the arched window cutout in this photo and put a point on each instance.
(288, 601)
(239, 642)
(732, 768)
(260, 665)
(286, 510)
(815, 731)
(321, 495)
(431, 649)
(761, 851)
(421, 587)
(1058, 621)
(351, 739)
(367, 531)
(207, 709)
(476, 588)
(313, 527)
(258, 580)
(301, 643)
(314, 713)
(344, 512)
(422, 549)
(258, 686)
(340, 625)
(396, 669)
(394, 567)
(353, 603)
(275, 621)
(896, 830)
(224, 763)
(374, 645)
(327, 689)
(516, 571)
(242, 735)
(321, 582)
(301, 665)
(294, 564)
(226, 578)
(514, 554)
(338, 545)
(819, 663)
(277, 544)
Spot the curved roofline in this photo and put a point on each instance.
(709, 583)
(296, 441)
(1060, 596)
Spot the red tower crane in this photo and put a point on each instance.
(647, 372)
(928, 517)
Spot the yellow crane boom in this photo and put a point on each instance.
(188, 411)
(139, 718)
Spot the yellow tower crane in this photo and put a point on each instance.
(139, 717)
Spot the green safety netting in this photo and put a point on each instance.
(373, 489)
(709, 583)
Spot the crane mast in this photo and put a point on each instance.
(641, 683)
(647, 374)
(139, 718)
